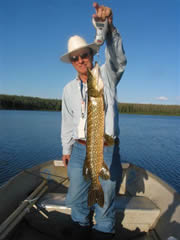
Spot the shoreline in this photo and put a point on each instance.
(14, 102)
(129, 113)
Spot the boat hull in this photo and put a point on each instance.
(145, 201)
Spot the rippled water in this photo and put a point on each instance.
(28, 138)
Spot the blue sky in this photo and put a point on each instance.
(34, 33)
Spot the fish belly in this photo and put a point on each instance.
(95, 135)
(94, 149)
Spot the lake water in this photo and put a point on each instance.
(28, 138)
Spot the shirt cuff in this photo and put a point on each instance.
(112, 35)
(67, 149)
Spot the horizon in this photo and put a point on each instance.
(34, 35)
(59, 99)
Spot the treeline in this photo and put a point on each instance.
(153, 109)
(29, 103)
(35, 103)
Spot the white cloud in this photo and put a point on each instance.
(162, 98)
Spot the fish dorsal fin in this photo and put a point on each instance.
(109, 140)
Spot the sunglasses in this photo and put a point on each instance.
(83, 56)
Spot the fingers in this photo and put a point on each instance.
(102, 12)
(65, 159)
(108, 11)
(96, 5)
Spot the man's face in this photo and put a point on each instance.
(82, 60)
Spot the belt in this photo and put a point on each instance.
(83, 142)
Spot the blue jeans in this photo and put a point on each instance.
(77, 196)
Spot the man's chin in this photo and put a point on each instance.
(83, 71)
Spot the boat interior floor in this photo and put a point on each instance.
(37, 228)
(48, 225)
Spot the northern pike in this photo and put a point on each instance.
(94, 165)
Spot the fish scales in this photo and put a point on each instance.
(94, 165)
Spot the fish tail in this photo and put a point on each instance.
(96, 196)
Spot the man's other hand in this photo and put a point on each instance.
(66, 159)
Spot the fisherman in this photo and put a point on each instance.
(73, 129)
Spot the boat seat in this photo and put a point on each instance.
(54, 202)
(133, 212)
(136, 212)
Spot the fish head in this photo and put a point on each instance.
(95, 82)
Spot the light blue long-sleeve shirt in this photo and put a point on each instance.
(74, 93)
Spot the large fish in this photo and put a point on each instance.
(94, 165)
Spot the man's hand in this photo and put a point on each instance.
(65, 159)
(102, 13)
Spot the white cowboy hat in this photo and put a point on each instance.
(76, 43)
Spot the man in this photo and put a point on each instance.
(73, 129)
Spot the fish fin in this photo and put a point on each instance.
(96, 196)
(104, 172)
(109, 140)
(86, 172)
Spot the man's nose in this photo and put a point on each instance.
(80, 59)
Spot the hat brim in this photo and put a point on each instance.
(66, 57)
